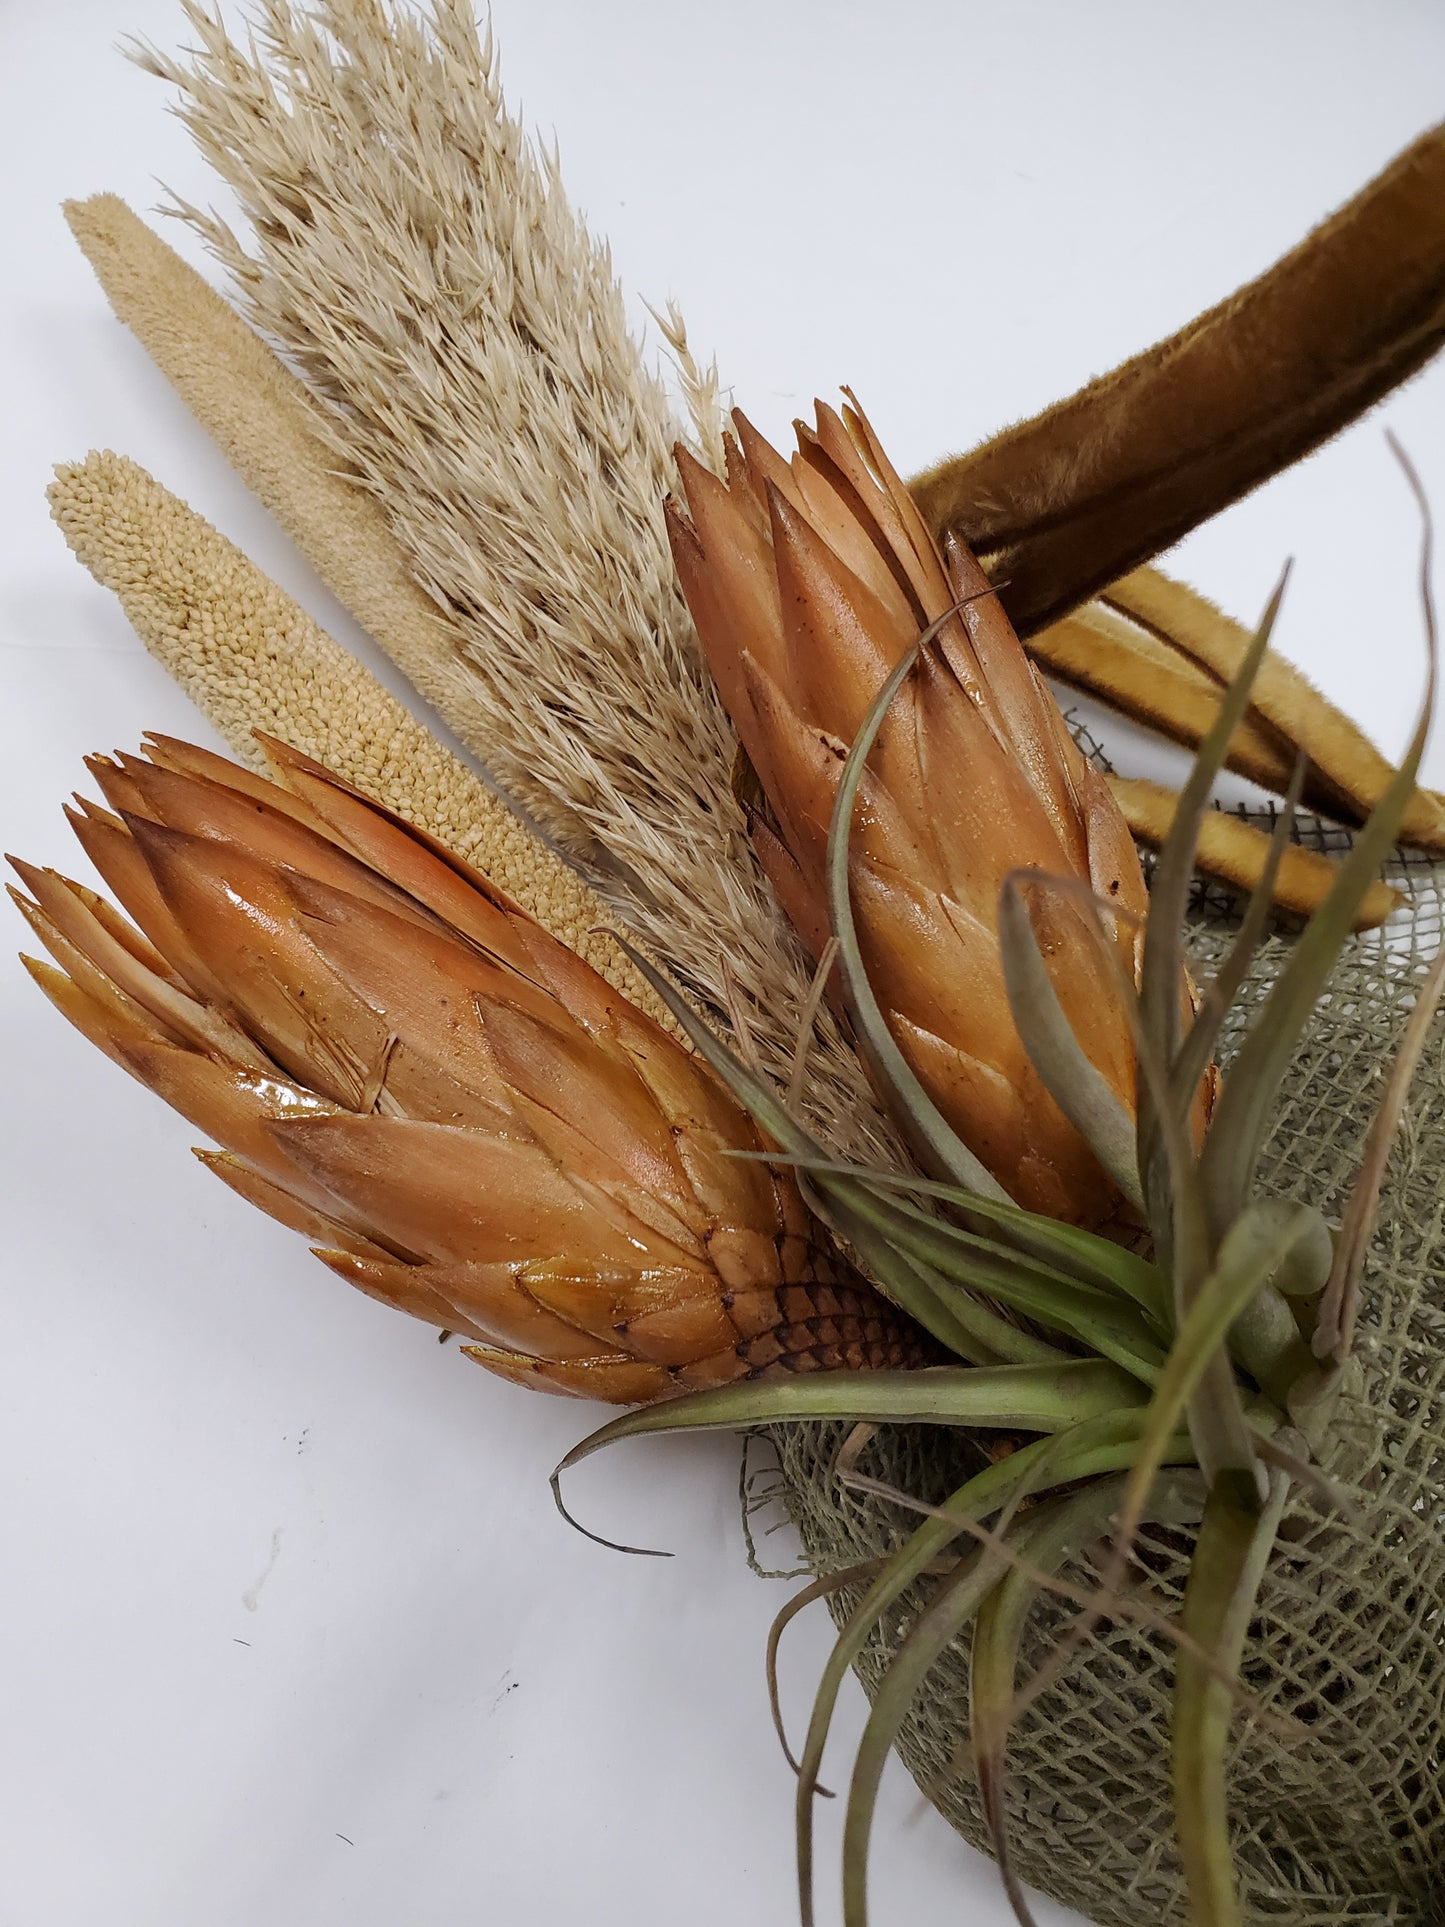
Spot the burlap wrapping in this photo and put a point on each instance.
(1342, 1821)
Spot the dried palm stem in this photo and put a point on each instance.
(1237, 852)
(1064, 504)
(1348, 774)
(466, 340)
(1144, 676)
(250, 659)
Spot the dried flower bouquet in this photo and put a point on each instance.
(814, 1055)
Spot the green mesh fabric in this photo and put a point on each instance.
(1338, 1805)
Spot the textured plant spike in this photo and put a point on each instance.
(1064, 504)
(464, 1118)
(252, 659)
(466, 342)
(811, 583)
(269, 429)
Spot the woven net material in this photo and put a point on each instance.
(1339, 1807)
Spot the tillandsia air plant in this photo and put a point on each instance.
(1223, 1349)
(825, 1064)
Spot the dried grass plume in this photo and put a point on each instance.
(250, 659)
(420, 266)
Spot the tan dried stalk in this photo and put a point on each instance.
(466, 338)
(1237, 852)
(1348, 774)
(1064, 504)
(250, 658)
(269, 428)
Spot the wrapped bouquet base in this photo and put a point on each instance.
(1337, 1752)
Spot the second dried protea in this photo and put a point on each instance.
(464, 1117)
(809, 581)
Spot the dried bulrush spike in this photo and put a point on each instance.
(464, 360)
(1063, 505)
(270, 430)
(472, 1125)
(252, 660)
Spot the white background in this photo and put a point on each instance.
(277, 1569)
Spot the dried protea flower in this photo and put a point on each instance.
(809, 581)
(402, 1065)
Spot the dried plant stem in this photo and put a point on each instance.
(1237, 852)
(701, 389)
(1141, 674)
(270, 430)
(251, 659)
(1069, 501)
(1348, 774)
(466, 342)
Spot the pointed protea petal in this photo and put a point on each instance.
(289, 1209)
(407, 857)
(811, 581)
(459, 1114)
(610, 1376)
(91, 927)
(489, 1301)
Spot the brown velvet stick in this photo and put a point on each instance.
(1066, 503)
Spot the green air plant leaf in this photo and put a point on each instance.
(1335, 1323)
(844, 1579)
(1197, 1050)
(1172, 1185)
(1024, 1398)
(1009, 1398)
(1216, 1417)
(1229, 1157)
(958, 1598)
(1049, 1298)
(1230, 1556)
(1163, 961)
(943, 1145)
(1057, 1531)
(1081, 1254)
(1062, 1528)
(1080, 1091)
(1253, 1251)
(966, 1327)
(1091, 1450)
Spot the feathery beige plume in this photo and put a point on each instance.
(271, 431)
(421, 268)
(250, 658)
(701, 389)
